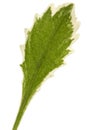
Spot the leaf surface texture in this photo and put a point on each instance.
(46, 46)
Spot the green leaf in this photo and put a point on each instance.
(46, 46)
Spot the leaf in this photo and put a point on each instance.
(46, 46)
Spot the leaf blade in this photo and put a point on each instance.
(46, 46)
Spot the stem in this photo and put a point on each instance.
(25, 100)
(20, 112)
(19, 117)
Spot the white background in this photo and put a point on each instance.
(61, 103)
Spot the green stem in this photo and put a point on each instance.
(25, 100)
(19, 116)
(20, 112)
